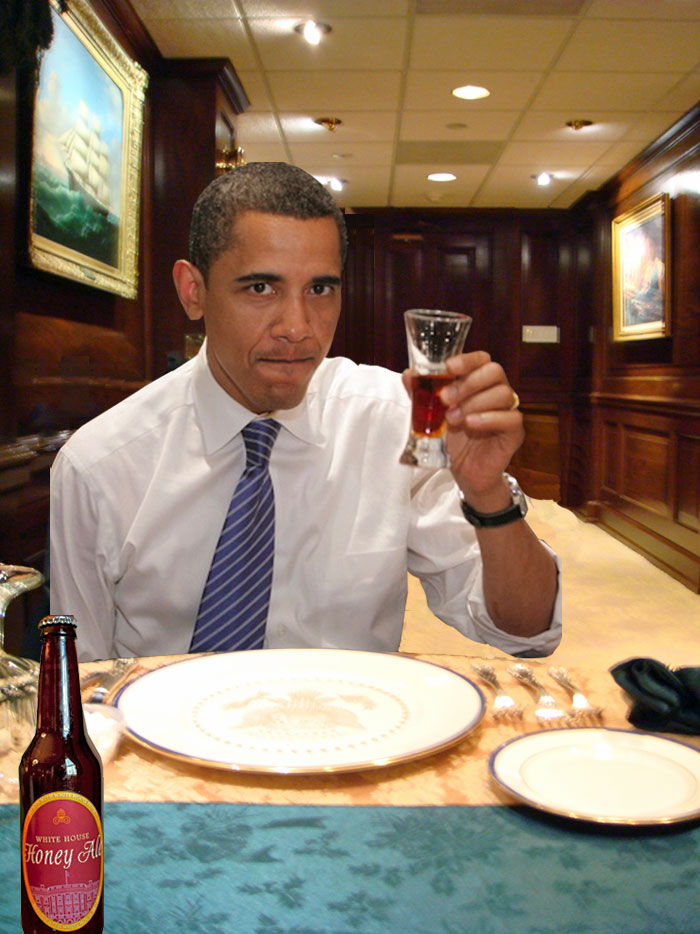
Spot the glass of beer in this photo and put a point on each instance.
(433, 337)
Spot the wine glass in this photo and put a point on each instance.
(433, 336)
(18, 681)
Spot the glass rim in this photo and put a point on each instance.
(436, 313)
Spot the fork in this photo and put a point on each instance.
(547, 711)
(581, 708)
(504, 707)
(107, 680)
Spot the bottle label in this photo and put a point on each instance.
(62, 859)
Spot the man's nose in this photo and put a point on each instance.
(293, 322)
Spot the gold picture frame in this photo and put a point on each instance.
(86, 144)
(641, 258)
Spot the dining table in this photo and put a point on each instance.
(431, 844)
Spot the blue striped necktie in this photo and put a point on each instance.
(235, 601)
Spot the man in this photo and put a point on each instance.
(139, 495)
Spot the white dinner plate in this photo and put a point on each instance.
(300, 710)
(603, 775)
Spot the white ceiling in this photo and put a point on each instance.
(387, 70)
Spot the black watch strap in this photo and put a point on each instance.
(492, 520)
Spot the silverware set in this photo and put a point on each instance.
(548, 711)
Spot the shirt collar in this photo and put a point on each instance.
(221, 418)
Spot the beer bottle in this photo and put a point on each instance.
(61, 792)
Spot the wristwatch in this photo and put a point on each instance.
(491, 520)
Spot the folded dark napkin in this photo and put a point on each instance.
(664, 700)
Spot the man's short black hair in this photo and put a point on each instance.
(269, 187)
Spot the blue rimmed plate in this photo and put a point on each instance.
(303, 711)
(602, 775)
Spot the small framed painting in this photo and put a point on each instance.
(641, 256)
(86, 155)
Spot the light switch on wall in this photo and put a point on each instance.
(540, 334)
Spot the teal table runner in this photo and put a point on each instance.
(257, 869)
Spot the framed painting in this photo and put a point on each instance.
(86, 155)
(641, 256)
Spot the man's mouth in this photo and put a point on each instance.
(287, 360)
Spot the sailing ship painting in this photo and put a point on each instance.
(86, 159)
(77, 151)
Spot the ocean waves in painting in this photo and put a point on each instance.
(63, 216)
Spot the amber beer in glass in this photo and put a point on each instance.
(433, 337)
(61, 794)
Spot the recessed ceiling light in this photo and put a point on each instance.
(579, 124)
(330, 181)
(544, 178)
(441, 177)
(312, 31)
(471, 92)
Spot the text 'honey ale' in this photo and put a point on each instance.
(61, 794)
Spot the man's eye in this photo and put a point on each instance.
(260, 288)
(322, 288)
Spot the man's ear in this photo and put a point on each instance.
(190, 287)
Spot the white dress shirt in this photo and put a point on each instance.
(139, 494)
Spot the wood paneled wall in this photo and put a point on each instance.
(613, 429)
(509, 270)
(68, 351)
(644, 413)
(74, 348)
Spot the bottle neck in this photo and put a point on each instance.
(59, 707)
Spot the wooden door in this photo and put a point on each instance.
(431, 269)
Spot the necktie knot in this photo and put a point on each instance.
(259, 437)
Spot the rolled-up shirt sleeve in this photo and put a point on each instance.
(444, 554)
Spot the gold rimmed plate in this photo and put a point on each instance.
(301, 711)
(602, 775)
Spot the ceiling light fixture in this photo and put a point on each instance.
(330, 181)
(330, 123)
(441, 177)
(578, 124)
(471, 92)
(544, 178)
(313, 32)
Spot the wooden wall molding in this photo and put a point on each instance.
(648, 491)
(648, 403)
(70, 351)
(644, 400)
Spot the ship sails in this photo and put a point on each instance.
(86, 157)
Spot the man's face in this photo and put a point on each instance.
(271, 306)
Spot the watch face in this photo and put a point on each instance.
(519, 498)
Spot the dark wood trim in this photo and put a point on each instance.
(678, 562)
(120, 17)
(650, 404)
(220, 69)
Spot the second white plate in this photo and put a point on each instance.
(300, 710)
(602, 775)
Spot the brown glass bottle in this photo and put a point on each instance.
(61, 795)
